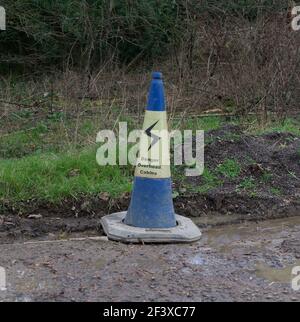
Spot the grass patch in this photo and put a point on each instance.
(210, 181)
(230, 168)
(52, 177)
(22, 143)
(275, 191)
(198, 123)
(53, 164)
(233, 137)
(48, 136)
(247, 184)
(289, 125)
(266, 176)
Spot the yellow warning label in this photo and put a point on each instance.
(154, 154)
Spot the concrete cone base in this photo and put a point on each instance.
(185, 231)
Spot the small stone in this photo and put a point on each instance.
(38, 216)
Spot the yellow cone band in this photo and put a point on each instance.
(154, 156)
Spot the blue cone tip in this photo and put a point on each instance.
(156, 97)
(157, 75)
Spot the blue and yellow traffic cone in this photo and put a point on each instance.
(151, 203)
(151, 216)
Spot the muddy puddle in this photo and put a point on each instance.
(276, 275)
(225, 237)
(273, 238)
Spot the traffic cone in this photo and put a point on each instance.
(151, 204)
(151, 216)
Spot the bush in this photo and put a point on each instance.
(84, 33)
(89, 32)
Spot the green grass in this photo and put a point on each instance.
(47, 163)
(51, 135)
(247, 184)
(288, 126)
(210, 181)
(230, 168)
(51, 177)
(20, 143)
(198, 123)
(266, 176)
(231, 137)
(275, 191)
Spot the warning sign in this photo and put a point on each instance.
(154, 156)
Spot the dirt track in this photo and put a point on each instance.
(244, 262)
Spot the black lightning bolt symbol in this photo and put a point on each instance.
(151, 135)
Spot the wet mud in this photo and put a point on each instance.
(241, 262)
